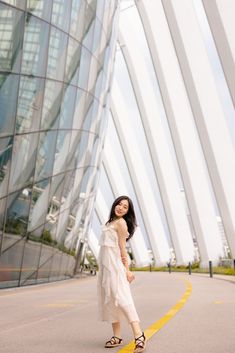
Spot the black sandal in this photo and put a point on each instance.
(113, 342)
(140, 343)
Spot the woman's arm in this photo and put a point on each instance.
(122, 235)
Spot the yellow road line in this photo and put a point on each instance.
(155, 327)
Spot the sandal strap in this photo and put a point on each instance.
(113, 340)
(139, 342)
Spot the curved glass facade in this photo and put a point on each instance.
(55, 67)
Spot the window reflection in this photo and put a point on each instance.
(11, 260)
(79, 109)
(77, 18)
(17, 212)
(67, 107)
(11, 38)
(40, 8)
(8, 94)
(38, 208)
(57, 54)
(84, 69)
(5, 159)
(46, 154)
(18, 3)
(23, 161)
(73, 62)
(29, 104)
(61, 13)
(89, 28)
(36, 38)
(51, 105)
(61, 153)
(2, 215)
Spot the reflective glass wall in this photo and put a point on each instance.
(55, 67)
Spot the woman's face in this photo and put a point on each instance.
(121, 208)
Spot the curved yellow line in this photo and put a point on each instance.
(156, 326)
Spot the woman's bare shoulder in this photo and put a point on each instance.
(121, 224)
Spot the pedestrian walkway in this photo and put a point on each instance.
(179, 313)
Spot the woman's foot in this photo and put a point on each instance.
(140, 343)
(113, 342)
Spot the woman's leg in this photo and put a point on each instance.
(136, 329)
(116, 329)
(115, 340)
(140, 339)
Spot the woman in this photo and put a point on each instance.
(114, 295)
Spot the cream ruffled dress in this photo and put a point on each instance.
(114, 295)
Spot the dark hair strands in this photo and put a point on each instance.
(129, 217)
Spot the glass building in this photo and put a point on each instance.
(56, 61)
(100, 98)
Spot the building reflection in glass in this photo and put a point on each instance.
(54, 77)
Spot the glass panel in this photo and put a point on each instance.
(79, 109)
(100, 9)
(77, 19)
(45, 263)
(99, 85)
(29, 104)
(2, 215)
(53, 211)
(18, 3)
(73, 149)
(84, 69)
(38, 208)
(63, 266)
(57, 54)
(17, 215)
(96, 150)
(62, 230)
(67, 107)
(68, 190)
(23, 161)
(61, 154)
(73, 62)
(32, 252)
(11, 38)
(55, 266)
(5, 160)
(83, 151)
(10, 264)
(88, 29)
(92, 75)
(97, 38)
(8, 99)
(46, 154)
(61, 14)
(92, 4)
(51, 105)
(35, 46)
(40, 8)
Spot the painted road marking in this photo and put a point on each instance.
(155, 327)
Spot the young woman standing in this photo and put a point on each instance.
(114, 277)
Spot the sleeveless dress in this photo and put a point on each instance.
(114, 295)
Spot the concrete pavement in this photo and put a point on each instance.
(61, 317)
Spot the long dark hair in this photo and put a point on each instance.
(129, 217)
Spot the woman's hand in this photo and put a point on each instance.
(130, 276)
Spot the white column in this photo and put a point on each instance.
(182, 126)
(139, 175)
(160, 152)
(137, 242)
(208, 113)
(220, 14)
